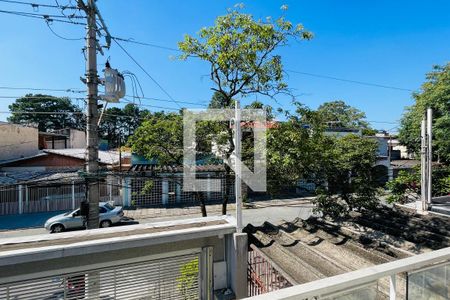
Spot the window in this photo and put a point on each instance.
(108, 206)
(76, 213)
(102, 210)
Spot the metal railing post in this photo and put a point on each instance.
(206, 268)
(73, 195)
(165, 192)
(20, 196)
(392, 287)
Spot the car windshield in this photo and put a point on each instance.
(70, 212)
(108, 206)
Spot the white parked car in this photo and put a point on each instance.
(73, 220)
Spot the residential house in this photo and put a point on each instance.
(62, 139)
(167, 183)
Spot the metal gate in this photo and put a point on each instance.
(164, 278)
(262, 276)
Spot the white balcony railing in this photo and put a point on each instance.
(428, 277)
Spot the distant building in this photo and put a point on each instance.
(63, 159)
(398, 150)
(17, 141)
(62, 139)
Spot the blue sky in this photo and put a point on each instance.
(386, 42)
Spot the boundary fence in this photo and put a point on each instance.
(130, 191)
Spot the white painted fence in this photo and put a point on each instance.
(23, 198)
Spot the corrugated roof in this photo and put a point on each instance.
(4, 162)
(105, 157)
(175, 169)
(38, 176)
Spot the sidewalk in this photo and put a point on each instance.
(211, 209)
(12, 222)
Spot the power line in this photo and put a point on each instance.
(40, 97)
(42, 15)
(60, 36)
(51, 18)
(73, 90)
(39, 5)
(384, 122)
(351, 81)
(145, 71)
(43, 112)
(166, 100)
(69, 90)
(132, 41)
(147, 105)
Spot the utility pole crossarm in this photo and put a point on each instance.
(104, 27)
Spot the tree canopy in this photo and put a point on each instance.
(342, 168)
(435, 94)
(241, 53)
(160, 137)
(118, 124)
(37, 110)
(338, 113)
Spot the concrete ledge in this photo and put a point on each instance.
(72, 244)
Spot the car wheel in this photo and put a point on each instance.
(57, 228)
(105, 223)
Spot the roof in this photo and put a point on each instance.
(105, 157)
(408, 163)
(405, 163)
(307, 250)
(4, 162)
(175, 169)
(53, 134)
(8, 178)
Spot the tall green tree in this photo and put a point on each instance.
(118, 124)
(352, 183)
(295, 149)
(341, 167)
(160, 137)
(340, 114)
(241, 53)
(37, 110)
(435, 94)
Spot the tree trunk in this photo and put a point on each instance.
(200, 197)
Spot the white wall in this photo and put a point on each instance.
(17, 141)
(77, 139)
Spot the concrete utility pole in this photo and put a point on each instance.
(426, 159)
(423, 166)
(429, 153)
(93, 191)
(238, 166)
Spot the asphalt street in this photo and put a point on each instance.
(255, 216)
